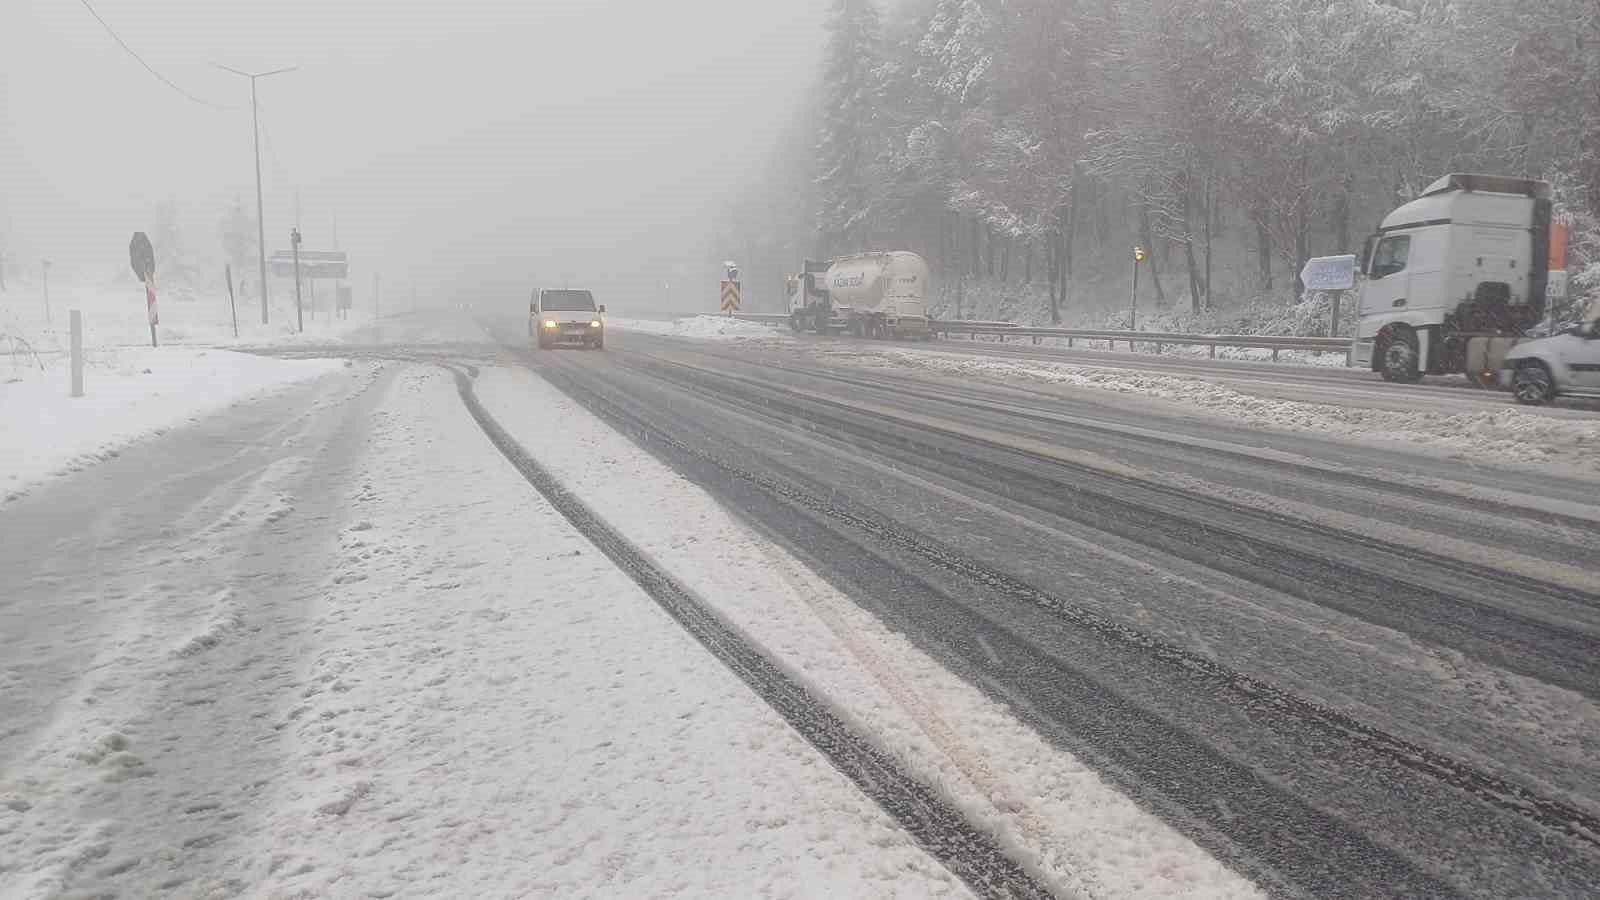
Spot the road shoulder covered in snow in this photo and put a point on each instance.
(491, 708)
(129, 393)
(1049, 808)
(1506, 435)
(708, 327)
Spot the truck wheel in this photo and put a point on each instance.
(797, 322)
(1400, 362)
(1533, 385)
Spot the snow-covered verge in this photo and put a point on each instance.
(494, 710)
(1507, 435)
(712, 327)
(114, 316)
(128, 393)
(1053, 811)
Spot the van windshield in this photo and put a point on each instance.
(578, 301)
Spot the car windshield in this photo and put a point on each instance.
(565, 301)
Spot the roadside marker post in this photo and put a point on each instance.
(730, 297)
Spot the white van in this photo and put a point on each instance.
(566, 317)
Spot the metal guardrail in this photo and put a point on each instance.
(1006, 330)
(1275, 343)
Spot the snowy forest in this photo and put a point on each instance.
(1025, 146)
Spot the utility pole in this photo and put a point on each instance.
(294, 247)
(261, 217)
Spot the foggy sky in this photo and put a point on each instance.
(479, 146)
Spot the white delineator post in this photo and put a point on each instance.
(77, 352)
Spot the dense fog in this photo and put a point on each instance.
(478, 148)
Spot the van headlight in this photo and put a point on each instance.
(549, 323)
(595, 324)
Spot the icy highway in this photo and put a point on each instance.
(725, 618)
(1343, 671)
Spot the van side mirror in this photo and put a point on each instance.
(602, 307)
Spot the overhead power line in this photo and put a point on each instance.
(147, 67)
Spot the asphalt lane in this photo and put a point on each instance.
(1347, 671)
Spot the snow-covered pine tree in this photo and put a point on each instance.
(850, 137)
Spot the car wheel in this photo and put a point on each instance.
(1533, 385)
(1401, 361)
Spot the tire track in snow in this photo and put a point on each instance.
(971, 854)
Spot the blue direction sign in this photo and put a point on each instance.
(1329, 273)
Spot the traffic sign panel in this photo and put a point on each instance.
(1329, 273)
(730, 296)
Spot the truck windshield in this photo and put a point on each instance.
(1391, 256)
(578, 301)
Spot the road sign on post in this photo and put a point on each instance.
(1332, 275)
(1329, 273)
(142, 256)
(76, 319)
(1133, 305)
(730, 297)
(299, 311)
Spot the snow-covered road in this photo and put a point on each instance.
(752, 618)
(331, 644)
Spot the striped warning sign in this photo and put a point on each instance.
(730, 296)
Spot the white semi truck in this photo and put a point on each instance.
(873, 295)
(1453, 279)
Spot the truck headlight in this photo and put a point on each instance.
(549, 323)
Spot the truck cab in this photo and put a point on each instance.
(566, 317)
(1464, 260)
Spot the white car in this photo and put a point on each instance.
(1565, 364)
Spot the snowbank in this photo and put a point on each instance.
(128, 393)
(1049, 807)
(114, 316)
(709, 327)
(1506, 435)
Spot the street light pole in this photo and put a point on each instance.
(261, 218)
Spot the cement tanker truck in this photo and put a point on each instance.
(871, 295)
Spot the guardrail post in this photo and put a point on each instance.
(1069, 343)
(1213, 351)
(1158, 348)
(1274, 354)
